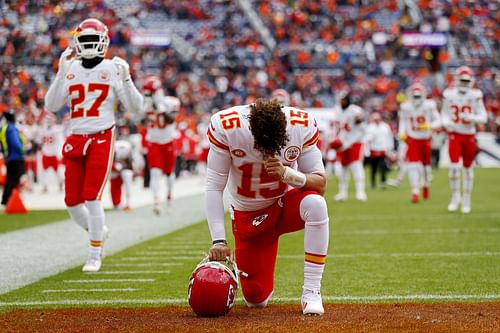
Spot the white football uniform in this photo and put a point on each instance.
(93, 96)
(350, 132)
(123, 150)
(52, 140)
(158, 131)
(456, 105)
(417, 122)
(250, 187)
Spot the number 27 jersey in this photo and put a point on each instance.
(249, 186)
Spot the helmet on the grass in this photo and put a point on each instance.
(212, 288)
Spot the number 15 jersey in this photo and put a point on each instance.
(249, 186)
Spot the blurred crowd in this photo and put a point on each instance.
(323, 47)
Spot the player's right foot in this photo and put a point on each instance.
(311, 301)
(466, 205)
(425, 192)
(93, 264)
(415, 198)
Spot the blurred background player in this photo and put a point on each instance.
(282, 96)
(418, 117)
(462, 109)
(266, 155)
(349, 146)
(92, 86)
(52, 141)
(122, 175)
(380, 144)
(160, 111)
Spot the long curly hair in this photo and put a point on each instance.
(268, 126)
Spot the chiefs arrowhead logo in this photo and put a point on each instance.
(68, 147)
(259, 219)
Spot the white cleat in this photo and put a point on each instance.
(93, 264)
(312, 304)
(454, 203)
(466, 205)
(156, 209)
(394, 182)
(361, 197)
(340, 196)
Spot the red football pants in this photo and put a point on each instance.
(419, 150)
(462, 146)
(86, 173)
(161, 156)
(256, 237)
(116, 190)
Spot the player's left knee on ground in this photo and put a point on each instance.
(255, 296)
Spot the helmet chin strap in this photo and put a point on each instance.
(92, 62)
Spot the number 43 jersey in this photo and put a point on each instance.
(249, 186)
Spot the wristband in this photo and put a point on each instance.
(219, 241)
(294, 177)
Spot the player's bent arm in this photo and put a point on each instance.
(435, 119)
(129, 96)
(481, 115)
(310, 162)
(56, 96)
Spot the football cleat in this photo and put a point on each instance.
(311, 301)
(466, 204)
(93, 264)
(361, 197)
(341, 196)
(425, 192)
(415, 198)
(394, 182)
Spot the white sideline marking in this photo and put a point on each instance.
(129, 272)
(87, 290)
(174, 247)
(146, 264)
(109, 280)
(382, 217)
(157, 253)
(174, 257)
(365, 298)
(183, 241)
(418, 231)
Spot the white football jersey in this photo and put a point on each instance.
(455, 105)
(350, 132)
(92, 95)
(158, 131)
(417, 122)
(249, 186)
(52, 140)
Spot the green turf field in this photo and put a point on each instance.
(385, 250)
(32, 219)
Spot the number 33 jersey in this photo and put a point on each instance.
(457, 105)
(249, 186)
(92, 95)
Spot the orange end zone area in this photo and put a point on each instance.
(402, 317)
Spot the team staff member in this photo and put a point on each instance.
(12, 142)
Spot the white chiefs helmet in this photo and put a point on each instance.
(281, 96)
(417, 93)
(464, 79)
(91, 39)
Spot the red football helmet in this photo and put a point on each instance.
(464, 78)
(91, 39)
(151, 85)
(212, 288)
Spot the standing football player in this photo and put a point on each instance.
(160, 112)
(122, 174)
(417, 118)
(462, 109)
(92, 85)
(266, 156)
(349, 146)
(52, 142)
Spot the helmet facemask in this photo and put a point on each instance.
(464, 84)
(90, 43)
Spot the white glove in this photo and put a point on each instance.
(466, 116)
(65, 61)
(123, 68)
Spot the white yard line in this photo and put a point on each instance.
(417, 231)
(177, 247)
(128, 272)
(360, 298)
(146, 264)
(174, 252)
(108, 280)
(55, 247)
(99, 290)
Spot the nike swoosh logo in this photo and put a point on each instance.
(101, 141)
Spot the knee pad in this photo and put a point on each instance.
(313, 209)
(454, 171)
